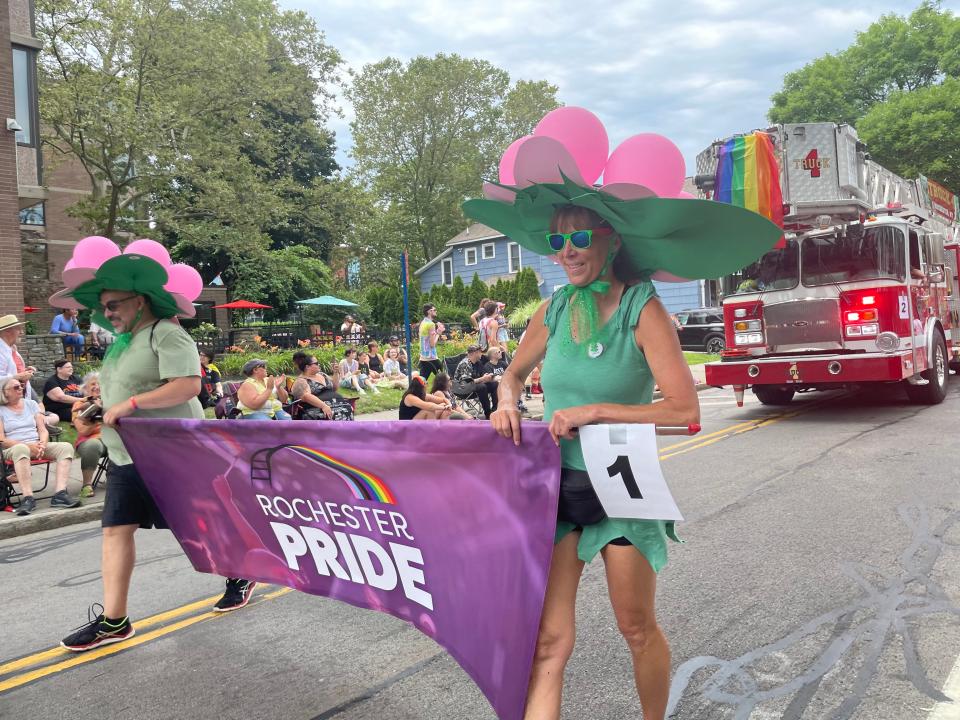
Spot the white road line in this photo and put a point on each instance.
(951, 688)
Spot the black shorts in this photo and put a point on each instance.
(430, 367)
(128, 502)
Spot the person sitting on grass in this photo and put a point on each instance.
(415, 405)
(376, 359)
(440, 392)
(89, 423)
(350, 375)
(261, 396)
(392, 371)
(24, 437)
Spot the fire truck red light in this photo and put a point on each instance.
(869, 300)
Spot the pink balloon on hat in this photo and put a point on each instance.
(506, 162)
(149, 248)
(184, 280)
(582, 134)
(647, 159)
(93, 251)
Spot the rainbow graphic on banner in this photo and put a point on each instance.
(748, 176)
(364, 485)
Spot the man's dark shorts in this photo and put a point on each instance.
(430, 367)
(128, 501)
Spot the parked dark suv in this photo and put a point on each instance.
(701, 329)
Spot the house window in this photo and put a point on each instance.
(24, 94)
(32, 215)
(488, 251)
(514, 253)
(446, 270)
(470, 256)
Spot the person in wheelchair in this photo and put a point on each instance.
(88, 420)
(470, 379)
(311, 387)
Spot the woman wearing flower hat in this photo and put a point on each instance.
(604, 340)
(151, 370)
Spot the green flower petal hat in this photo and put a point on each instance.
(143, 267)
(669, 235)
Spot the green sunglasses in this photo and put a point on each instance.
(580, 239)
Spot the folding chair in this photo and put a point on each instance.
(226, 407)
(470, 402)
(9, 475)
(101, 470)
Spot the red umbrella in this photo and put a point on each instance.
(244, 305)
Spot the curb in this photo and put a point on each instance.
(50, 521)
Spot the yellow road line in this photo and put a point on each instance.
(75, 659)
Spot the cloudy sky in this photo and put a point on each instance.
(692, 70)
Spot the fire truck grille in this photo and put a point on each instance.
(808, 322)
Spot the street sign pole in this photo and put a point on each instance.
(404, 282)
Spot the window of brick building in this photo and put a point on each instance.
(25, 94)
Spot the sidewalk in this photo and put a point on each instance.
(45, 518)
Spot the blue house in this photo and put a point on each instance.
(491, 255)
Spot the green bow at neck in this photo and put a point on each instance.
(584, 314)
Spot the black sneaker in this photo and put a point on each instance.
(27, 506)
(236, 596)
(64, 501)
(97, 632)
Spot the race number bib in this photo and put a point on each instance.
(624, 469)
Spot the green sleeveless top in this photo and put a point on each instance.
(618, 374)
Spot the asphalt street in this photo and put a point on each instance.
(820, 578)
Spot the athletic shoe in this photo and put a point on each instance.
(86, 491)
(27, 506)
(236, 596)
(64, 501)
(97, 632)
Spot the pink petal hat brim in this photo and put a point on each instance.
(60, 299)
(77, 276)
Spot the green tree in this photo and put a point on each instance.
(458, 292)
(477, 291)
(527, 288)
(897, 84)
(426, 132)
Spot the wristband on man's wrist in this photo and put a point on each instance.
(133, 403)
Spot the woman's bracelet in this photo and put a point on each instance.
(133, 402)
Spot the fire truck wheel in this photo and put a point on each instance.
(936, 388)
(714, 344)
(773, 395)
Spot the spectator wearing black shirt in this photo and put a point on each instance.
(62, 390)
(376, 359)
(211, 389)
(470, 377)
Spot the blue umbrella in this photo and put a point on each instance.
(327, 300)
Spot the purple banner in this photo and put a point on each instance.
(443, 524)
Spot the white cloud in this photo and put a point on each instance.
(694, 70)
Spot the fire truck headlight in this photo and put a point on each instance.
(870, 329)
(888, 341)
(854, 331)
(753, 338)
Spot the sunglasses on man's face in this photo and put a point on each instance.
(580, 239)
(114, 305)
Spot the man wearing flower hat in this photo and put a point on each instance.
(151, 370)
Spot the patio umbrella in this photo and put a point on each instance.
(244, 305)
(327, 300)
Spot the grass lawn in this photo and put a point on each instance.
(695, 358)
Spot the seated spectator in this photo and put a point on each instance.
(261, 396)
(313, 388)
(24, 437)
(13, 365)
(88, 423)
(100, 340)
(62, 391)
(440, 392)
(350, 375)
(211, 389)
(376, 359)
(392, 372)
(470, 377)
(401, 353)
(415, 405)
(66, 326)
(351, 330)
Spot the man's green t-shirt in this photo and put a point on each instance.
(140, 369)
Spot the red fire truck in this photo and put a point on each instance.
(864, 287)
